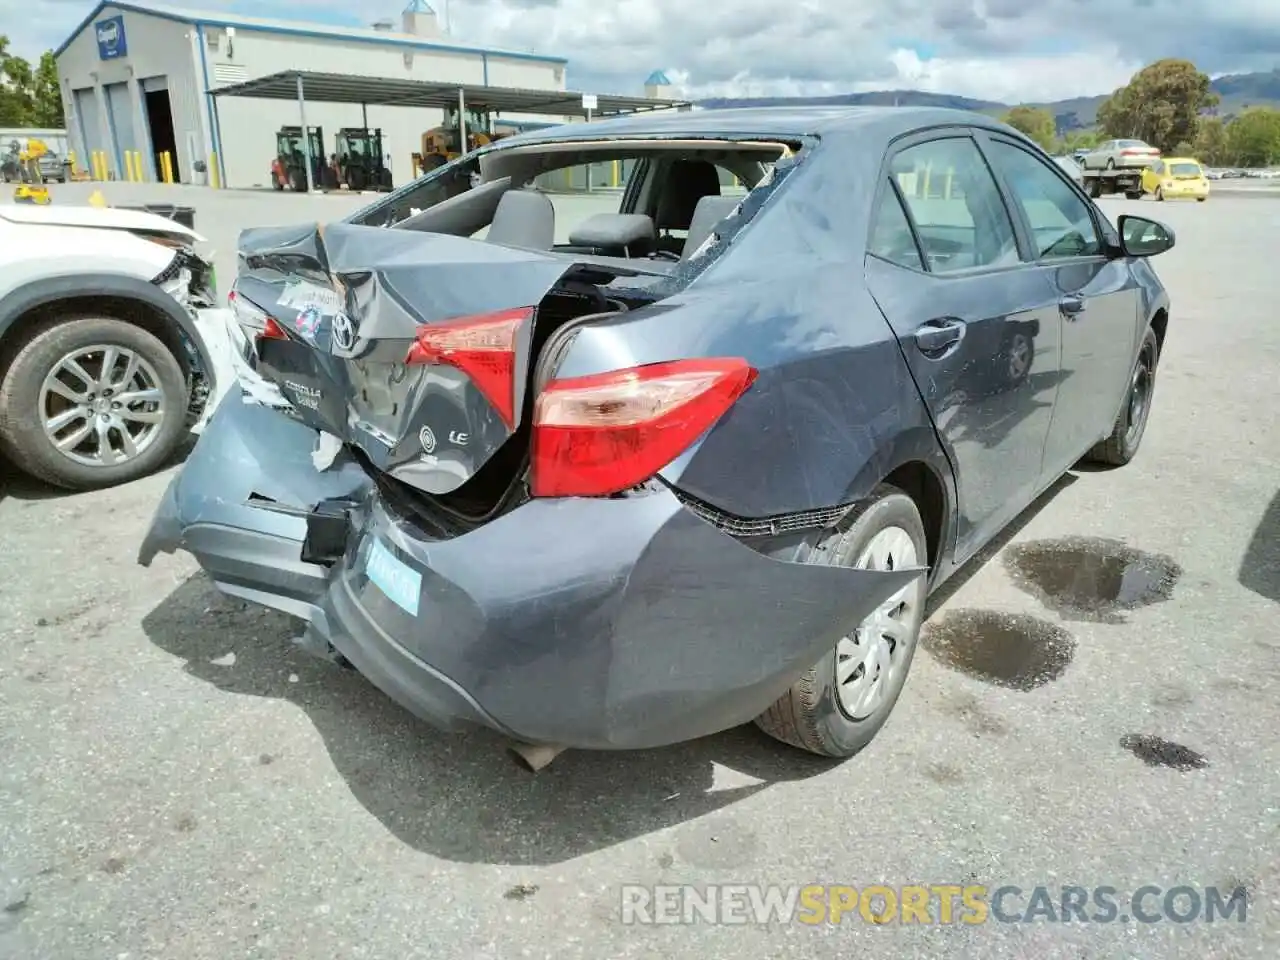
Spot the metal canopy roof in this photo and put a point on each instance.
(381, 91)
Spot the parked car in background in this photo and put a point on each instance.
(698, 465)
(1114, 154)
(1176, 178)
(106, 357)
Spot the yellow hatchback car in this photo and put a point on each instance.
(1171, 178)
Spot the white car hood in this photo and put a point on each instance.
(104, 218)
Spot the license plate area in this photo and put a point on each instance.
(397, 581)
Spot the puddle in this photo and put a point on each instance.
(1158, 752)
(1091, 578)
(1007, 649)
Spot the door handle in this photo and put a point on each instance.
(938, 335)
(1071, 306)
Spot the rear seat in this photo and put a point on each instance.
(524, 218)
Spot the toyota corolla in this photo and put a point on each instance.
(620, 468)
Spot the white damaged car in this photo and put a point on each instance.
(111, 343)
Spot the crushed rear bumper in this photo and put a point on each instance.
(612, 623)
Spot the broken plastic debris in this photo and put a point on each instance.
(326, 451)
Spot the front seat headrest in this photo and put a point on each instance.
(524, 218)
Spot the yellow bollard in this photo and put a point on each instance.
(97, 166)
(128, 166)
(137, 166)
(166, 162)
(213, 172)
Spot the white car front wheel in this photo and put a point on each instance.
(91, 401)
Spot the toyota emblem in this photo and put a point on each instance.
(344, 334)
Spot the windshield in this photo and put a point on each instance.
(1185, 169)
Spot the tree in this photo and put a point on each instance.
(46, 96)
(1036, 122)
(1211, 143)
(15, 88)
(29, 98)
(1079, 140)
(1253, 138)
(1161, 104)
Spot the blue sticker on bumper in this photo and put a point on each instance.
(401, 584)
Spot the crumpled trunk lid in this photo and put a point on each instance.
(352, 299)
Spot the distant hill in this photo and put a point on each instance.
(1237, 91)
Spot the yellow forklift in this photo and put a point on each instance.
(361, 161)
(441, 144)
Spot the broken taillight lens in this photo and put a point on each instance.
(602, 434)
(484, 348)
(254, 320)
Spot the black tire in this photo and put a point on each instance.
(1160, 194)
(1095, 188)
(1126, 436)
(810, 715)
(1111, 163)
(22, 436)
(1133, 194)
(1201, 199)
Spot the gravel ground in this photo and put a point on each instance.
(177, 781)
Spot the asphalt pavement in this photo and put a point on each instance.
(1094, 705)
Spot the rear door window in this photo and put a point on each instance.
(584, 190)
(959, 215)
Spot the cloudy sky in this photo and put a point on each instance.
(1007, 50)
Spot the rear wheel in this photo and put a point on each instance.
(1111, 163)
(1126, 436)
(1160, 194)
(90, 402)
(837, 707)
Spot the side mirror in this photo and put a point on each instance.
(1140, 237)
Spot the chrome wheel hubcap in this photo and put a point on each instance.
(101, 406)
(869, 661)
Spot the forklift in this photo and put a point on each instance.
(440, 145)
(289, 168)
(361, 163)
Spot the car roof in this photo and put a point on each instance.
(881, 123)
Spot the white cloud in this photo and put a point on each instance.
(1007, 50)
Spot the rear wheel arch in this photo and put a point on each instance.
(925, 488)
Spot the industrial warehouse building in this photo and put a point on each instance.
(139, 77)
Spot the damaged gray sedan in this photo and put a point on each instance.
(616, 467)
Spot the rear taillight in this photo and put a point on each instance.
(598, 435)
(484, 348)
(253, 320)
